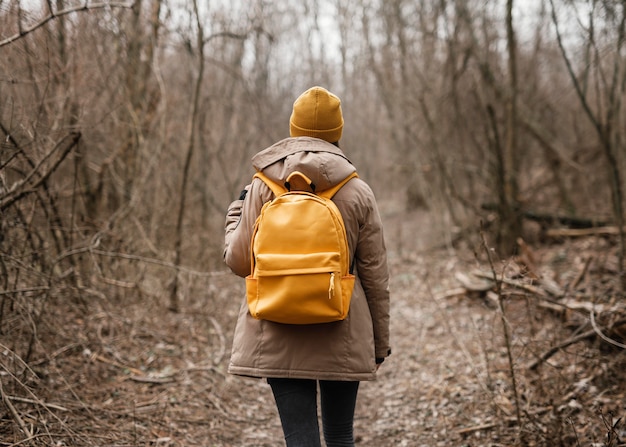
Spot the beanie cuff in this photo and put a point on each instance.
(330, 135)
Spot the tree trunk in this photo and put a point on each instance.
(174, 302)
(510, 224)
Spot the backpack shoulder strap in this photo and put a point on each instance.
(275, 187)
(329, 193)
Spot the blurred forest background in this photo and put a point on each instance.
(126, 128)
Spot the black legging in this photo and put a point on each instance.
(296, 400)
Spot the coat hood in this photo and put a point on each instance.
(324, 163)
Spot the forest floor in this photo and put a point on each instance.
(127, 372)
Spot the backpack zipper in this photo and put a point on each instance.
(331, 287)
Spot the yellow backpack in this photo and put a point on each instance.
(301, 270)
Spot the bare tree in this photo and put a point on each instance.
(607, 72)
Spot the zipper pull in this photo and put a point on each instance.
(331, 288)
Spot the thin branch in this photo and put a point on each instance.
(592, 318)
(33, 171)
(228, 34)
(53, 15)
(132, 257)
(570, 70)
(27, 290)
(570, 341)
(13, 196)
(505, 326)
(553, 350)
(37, 402)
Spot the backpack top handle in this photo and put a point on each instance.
(297, 181)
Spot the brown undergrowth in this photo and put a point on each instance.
(116, 368)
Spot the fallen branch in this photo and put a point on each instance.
(580, 337)
(545, 218)
(569, 221)
(553, 350)
(590, 307)
(520, 285)
(450, 293)
(481, 284)
(581, 232)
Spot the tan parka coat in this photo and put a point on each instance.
(344, 350)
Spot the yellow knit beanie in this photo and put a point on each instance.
(317, 113)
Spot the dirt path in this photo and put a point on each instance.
(428, 390)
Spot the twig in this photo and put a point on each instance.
(582, 272)
(612, 437)
(102, 359)
(14, 413)
(571, 422)
(202, 368)
(37, 402)
(49, 357)
(467, 430)
(154, 380)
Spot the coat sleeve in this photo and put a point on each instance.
(240, 219)
(371, 256)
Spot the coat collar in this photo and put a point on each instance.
(292, 145)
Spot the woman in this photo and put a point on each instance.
(296, 359)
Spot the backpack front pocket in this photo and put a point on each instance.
(297, 289)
